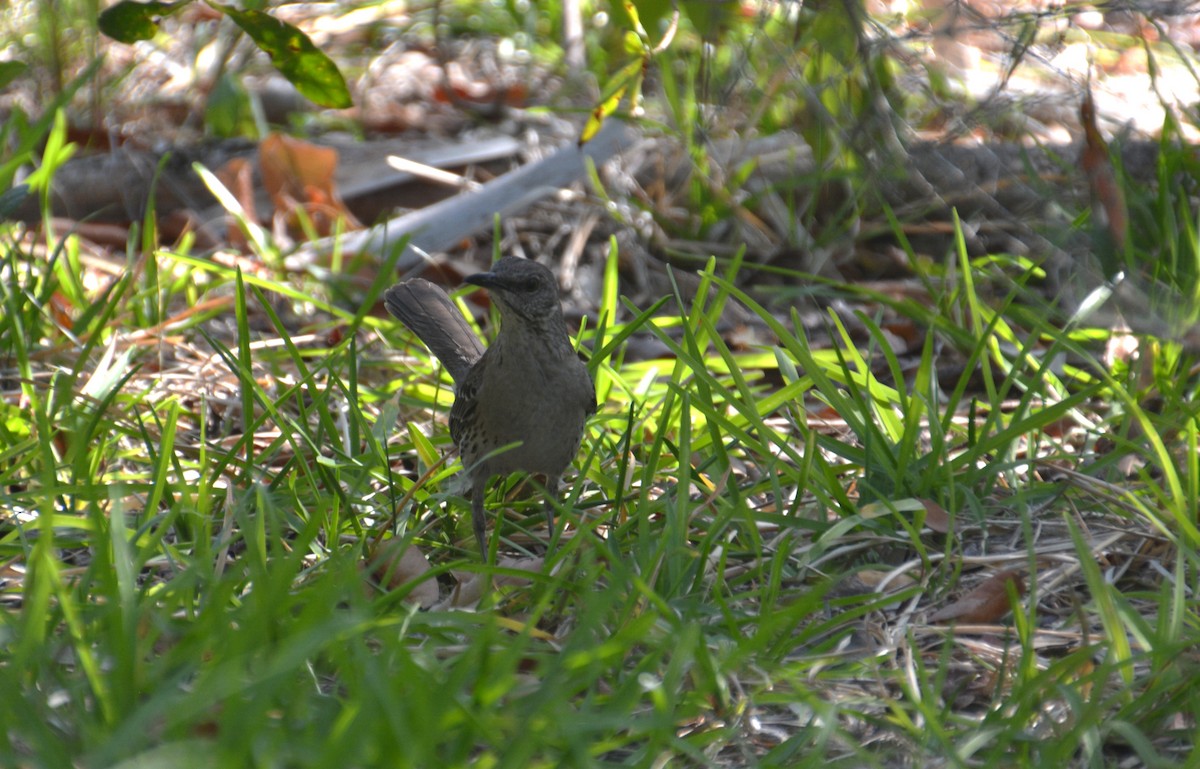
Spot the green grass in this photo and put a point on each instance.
(183, 563)
(198, 461)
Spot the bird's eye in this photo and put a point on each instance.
(530, 285)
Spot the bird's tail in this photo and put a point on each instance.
(430, 314)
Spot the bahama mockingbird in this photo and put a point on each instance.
(519, 406)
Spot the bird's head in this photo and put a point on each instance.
(521, 287)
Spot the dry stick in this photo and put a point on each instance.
(439, 226)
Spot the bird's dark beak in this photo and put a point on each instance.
(485, 280)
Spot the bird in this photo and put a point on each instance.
(521, 404)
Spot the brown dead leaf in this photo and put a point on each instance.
(238, 177)
(473, 585)
(986, 603)
(299, 177)
(1109, 210)
(905, 335)
(826, 412)
(396, 563)
(479, 93)
(936, 517)
(873, 578)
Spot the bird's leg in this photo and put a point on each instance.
(478, 520)
(552, 484)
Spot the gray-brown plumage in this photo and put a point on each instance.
(528, 388)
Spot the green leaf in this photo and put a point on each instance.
(651, 12)
(634, 45)
(228, 112)
(10, 71)
(129, 22)
(292, 52)
(14, 423)
(631, 15)
(629, 75)
(710, 18)
(837, 32)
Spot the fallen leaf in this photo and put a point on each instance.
(936, 517)
(1110, 214)
(873, 578)
(299, 177)
(986, 603)
(396, 563)
(473, 585)
(238, 177)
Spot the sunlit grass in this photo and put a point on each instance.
(198, 460)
